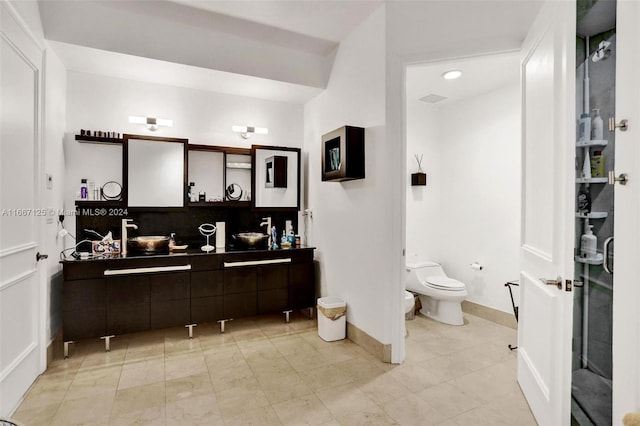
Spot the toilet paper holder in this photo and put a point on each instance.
(477, 266)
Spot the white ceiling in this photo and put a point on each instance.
(137, 68)
(326, 20)
(481, 74)
(279, 50)
(272, 49)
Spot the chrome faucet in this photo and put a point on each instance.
(266, 221)
(123, 243)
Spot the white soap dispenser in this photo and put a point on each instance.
(596, 126)
(588, 244)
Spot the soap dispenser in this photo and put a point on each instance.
(588, 244)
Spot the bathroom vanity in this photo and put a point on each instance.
(105, 297)
(196, 185)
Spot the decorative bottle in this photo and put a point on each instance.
(83, 189)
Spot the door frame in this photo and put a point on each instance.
(626, 296)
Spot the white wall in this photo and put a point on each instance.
(104, 103)
(471, 206)
(55, 88)
(352, 221)
(424, 202)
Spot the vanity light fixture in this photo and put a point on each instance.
(451, 74)
(246, 131)
(151, 122)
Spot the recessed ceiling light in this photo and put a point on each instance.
(452, 75)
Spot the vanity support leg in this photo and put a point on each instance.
(286, 315)
(190, 327)
(66, 348)
(310, 312)
(222, 322)
(107, 342)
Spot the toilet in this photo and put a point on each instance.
(441, 297)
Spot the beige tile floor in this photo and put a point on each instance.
(265, 372)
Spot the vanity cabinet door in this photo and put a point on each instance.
(302, 285)
(240, 287)
(272, 288)
(206, 296)
(169, 299)
(127, 304)
(83, 310)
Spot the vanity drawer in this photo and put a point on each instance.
(169, 286)
(206, 284)
(240, 280)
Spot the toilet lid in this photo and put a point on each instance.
(444, 283)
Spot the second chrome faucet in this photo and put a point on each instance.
(266, 221)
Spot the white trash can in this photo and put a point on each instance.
(332, 318)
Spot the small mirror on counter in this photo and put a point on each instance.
(154, 171)
(206, 172)
(276, 177)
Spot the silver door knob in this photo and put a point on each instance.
(557, 282)
(40, 256)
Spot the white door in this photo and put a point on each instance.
(626, 295)
(547, 235)
(20, 347)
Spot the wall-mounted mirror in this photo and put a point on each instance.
(206, 173)
(154, 171)
(276, 177)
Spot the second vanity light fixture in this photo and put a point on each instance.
(151, 122)
(247, 131)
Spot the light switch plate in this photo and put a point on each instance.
(49, 181)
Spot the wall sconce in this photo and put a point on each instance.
(246, 131)
(151, 122)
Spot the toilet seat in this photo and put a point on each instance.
(444, 283)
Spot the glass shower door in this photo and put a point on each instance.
(595, 149)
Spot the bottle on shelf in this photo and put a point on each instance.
(83, 189)
(584, 201)
(584, 128)
(596, 125)
(597, 164)
(588, 244)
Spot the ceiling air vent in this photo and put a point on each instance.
(433, 98)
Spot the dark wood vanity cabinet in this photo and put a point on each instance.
(98, 302)
(169, 299)
(239, 292)
(83, 308)
(206, 296)
(302, 285)
(273, 295)
(127, 304)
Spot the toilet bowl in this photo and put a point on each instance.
(409, 301)
(441, 297)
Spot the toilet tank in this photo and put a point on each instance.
(418, 271)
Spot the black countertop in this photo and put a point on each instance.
(188, 252)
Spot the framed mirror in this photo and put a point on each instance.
(276, 177)
(155, 171)
(206, 174)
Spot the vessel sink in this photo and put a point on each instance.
(149, 244)
(250, 239)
